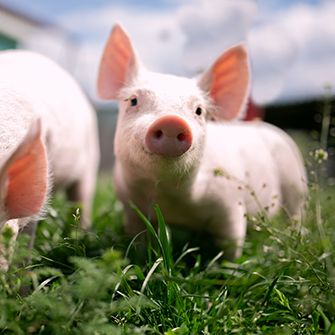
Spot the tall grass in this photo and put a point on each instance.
(82, 283)
(102, 282)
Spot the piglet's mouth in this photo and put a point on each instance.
(166, 157)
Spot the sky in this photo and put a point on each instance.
(291, 42)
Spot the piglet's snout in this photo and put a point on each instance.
(169, 136)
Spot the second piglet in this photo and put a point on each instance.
(48, 138)
(174, 147)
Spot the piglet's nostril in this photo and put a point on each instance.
(181, 137)
(158, 134)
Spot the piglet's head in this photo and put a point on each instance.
(162, 121)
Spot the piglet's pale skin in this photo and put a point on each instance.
(48, 137)
(174, 147)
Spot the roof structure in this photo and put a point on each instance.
(21, 26)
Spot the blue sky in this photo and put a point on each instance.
(291, 42)
(53, 9)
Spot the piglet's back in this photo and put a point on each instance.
(53, 93)
(56, 98)
(16, 117)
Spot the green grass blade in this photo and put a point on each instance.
(185, 253)
(150, 273)
(164, 239)
(270, 290)
(147, 223)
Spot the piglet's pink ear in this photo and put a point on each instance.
(227, 82)
(24, 176)
(118, 64)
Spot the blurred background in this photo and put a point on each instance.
(291, 43)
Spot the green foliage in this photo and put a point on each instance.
(87, 282)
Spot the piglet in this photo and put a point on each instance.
(174, 147)
(48, 137)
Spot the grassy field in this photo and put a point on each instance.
(97, 282)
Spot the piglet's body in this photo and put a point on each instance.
(48, 136)
(172, 149)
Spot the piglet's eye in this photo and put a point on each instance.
(133, 102)
(198, 111)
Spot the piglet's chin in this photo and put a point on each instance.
(160, 167)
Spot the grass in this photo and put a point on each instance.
(99, 282)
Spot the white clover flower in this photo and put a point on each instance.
(320, 155)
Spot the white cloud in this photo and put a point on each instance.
(273, 53)
(292, 50)
(211, 27)
(313, 31)
(155, 36)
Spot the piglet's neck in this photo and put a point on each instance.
(163, 179)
